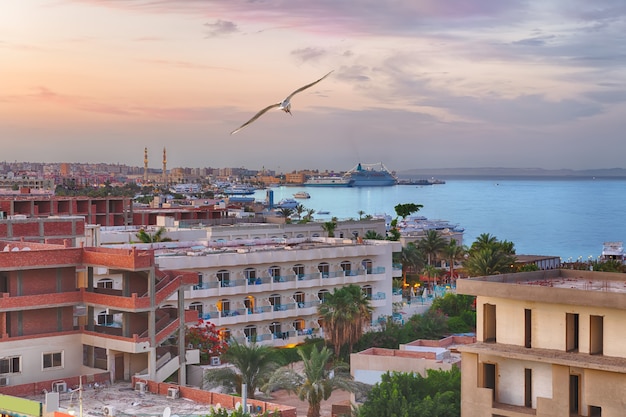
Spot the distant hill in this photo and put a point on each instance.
(442, 173)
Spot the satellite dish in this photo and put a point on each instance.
(237, 405)
(218, 406)
(167, 412)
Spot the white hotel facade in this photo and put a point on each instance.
(264, 282)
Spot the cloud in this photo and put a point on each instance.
(220, 28)
(308, 54)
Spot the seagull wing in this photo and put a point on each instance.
(305, 87)
(256, 116)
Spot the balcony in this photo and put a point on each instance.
(39, 301)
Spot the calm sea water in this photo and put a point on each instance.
(566, 218)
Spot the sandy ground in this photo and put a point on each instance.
(283, 397)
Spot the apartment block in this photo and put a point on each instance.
(57, 322)
(549, 343)
(267, 289)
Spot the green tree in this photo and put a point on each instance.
(286, 213)
(411, 258)
(373, 235)
(405, 210)
(157, 236)
(300, 209)
(432, 245)
(490, 256)
(361, 213)
(409, 394)
(329, 227)
(251, 365)
(344, 312)
(309, 214)
(453, 252)
(319, 378)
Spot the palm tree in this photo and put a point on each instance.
(309, 214)
(361, 213)
(286, 212)
(157, 236)
(299, 210)
(317, 381)
(344, 313)
(411, 258)
(432, 245)
(373, 235)
(453, 252)
(489, 256)
(330, 227)
(251, 365)
(484, 240)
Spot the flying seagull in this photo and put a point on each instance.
(284, 105)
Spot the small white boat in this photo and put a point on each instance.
(302, 194)
(322, 212)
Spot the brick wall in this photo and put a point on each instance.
(213, 398)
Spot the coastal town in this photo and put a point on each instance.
(121, 280)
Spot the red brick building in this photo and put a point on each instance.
(57, 323)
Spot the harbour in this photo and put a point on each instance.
(566, 218)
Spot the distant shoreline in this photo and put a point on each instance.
(512, 173)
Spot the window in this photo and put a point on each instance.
(299, 270)
(223, 277)
(105, 319)
(274, 272)
(196, 306)
(275, 301)
(105, 283)
(299, 298)
(347, 267)
(276, 329)
(250, 332)
(52, 360)
(324, 269)
(249, 303)
(250, 275)
(322, 294)
(367, 291)
(10, 365)
(367, 264)
(223, 306)
(224, 334)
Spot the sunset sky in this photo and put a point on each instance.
(416, 83)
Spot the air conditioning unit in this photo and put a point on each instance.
(59, 387)
(108, 411)
(250, 408)
(140, 386)
(215, 361)
(172, 393)
(190, 346)
(4, 381)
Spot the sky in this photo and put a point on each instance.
(415, 83)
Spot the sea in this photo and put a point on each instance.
(569, 218)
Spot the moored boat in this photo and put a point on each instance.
(288, 203)
(328, 182)
(302, 194)
(371, 175)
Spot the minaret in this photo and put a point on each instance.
(164, 167)
(145, 165)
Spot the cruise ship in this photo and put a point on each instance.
(329, 182)
(371, 175)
